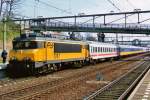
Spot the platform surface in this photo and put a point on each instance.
(142, 91)
(3, 66)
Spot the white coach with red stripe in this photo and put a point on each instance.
(100, 50)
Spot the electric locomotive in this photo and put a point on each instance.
(34, 54)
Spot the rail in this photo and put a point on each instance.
(110, 90)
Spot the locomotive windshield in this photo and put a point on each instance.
(27, 45)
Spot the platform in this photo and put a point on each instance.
(3, 66)
(142, 91)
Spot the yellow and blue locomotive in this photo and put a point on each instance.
(38, 54)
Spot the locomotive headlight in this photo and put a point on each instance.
(28, 65)
(13, 58)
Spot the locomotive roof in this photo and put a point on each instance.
(47, 39)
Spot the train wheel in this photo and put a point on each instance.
(59, 66)
(78, 64)
(55, 67)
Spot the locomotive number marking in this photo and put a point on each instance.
(49, 44)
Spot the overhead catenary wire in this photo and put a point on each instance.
(49, 5)
(113, 4)
(133, 6)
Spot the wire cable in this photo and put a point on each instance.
(49, 5)
(131, 4)
(113, 4)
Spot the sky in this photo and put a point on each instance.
(46, 8)
(53, 8)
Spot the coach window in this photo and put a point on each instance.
(96, 49)
(92, 49)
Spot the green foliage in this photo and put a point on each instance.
(13, 30)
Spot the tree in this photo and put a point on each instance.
(1, 6)
(11, 7)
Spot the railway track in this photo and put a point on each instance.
(32, 91)
(6, 81)
(120, 88)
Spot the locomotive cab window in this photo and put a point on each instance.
(27, 44)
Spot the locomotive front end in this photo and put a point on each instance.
(23, 57)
